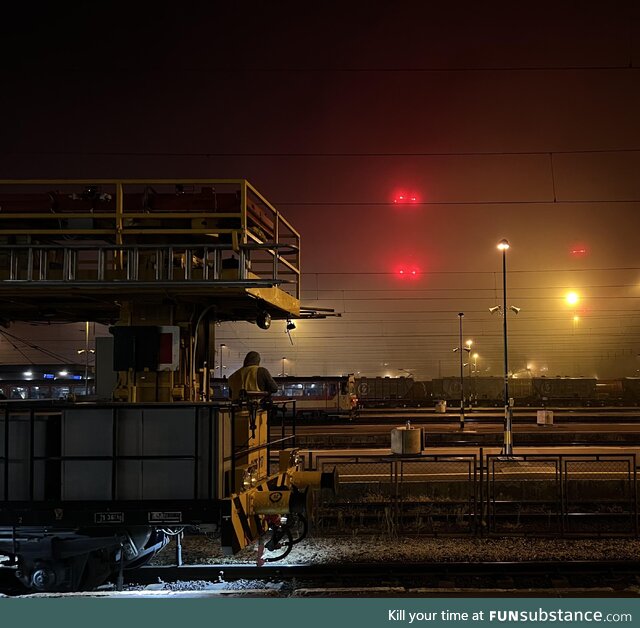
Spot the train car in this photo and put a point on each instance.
(564, 390)
(631, 390)
(487, 391)
(45, 381)
(319, 397)
(609, 392)
(383, 391)
(314, 397)
(419, 394)
(520, 390)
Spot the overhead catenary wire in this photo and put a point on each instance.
(9, 337)
(475, 272)
(318, 154)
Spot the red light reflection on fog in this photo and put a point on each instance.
(579, 250)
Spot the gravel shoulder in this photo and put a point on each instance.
(199, 549)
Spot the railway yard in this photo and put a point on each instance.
(558, 518)
(150, 476)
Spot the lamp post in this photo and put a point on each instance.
(576, 320)
(503, 245)
(86, 359)
(222, 346)
(473, 397)
(283, 361)
(87, 352)
(468, 345)
(461, 348)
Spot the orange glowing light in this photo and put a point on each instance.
(572, 298)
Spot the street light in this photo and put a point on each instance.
(222, 346)
(283, 374)
(461, 348)
(468, 343)
(572, 298)
(503, 245)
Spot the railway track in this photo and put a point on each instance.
(525, 416)
(613, 578)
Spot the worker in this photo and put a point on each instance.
(251, 378)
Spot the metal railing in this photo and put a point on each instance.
(563, 495)
(154, 264)
(130, 214)
(408, 495)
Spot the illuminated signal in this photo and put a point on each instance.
(408, 272)
(405, 198)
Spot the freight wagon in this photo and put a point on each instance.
(383, 391)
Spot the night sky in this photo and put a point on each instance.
(502, 119)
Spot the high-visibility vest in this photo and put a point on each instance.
(245, 378)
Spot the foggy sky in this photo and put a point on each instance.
(506, 119)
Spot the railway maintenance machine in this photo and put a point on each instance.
(88, 489)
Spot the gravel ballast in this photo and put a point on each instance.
(371, 549)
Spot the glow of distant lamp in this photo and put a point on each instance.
(469, 343)
(503, 245)
(475, 356)
(576, 319)
(572, 298)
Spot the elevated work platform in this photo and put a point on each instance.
(75, 250)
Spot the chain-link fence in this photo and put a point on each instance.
(600, 495)
(533, 494)
(433, 495)
(523, 495)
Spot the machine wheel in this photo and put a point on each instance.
(298, 526)
(279, 545)
(154, 542)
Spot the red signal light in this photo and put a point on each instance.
(408, 272)
(579, 250)
(405, 198)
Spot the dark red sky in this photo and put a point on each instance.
(515, 120)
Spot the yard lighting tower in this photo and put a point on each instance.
(503, 246)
